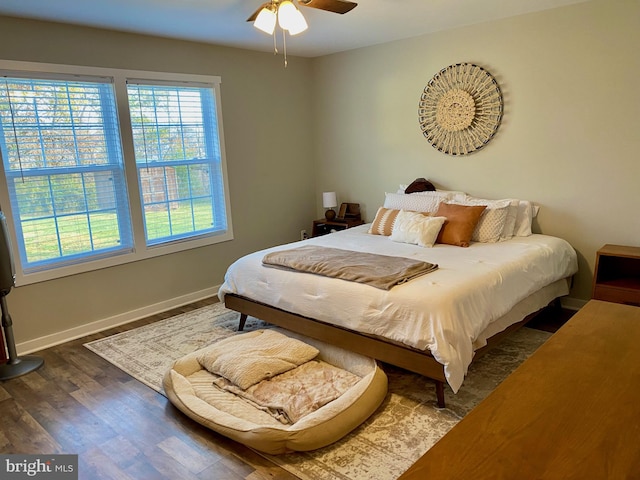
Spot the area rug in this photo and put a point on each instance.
(406, 425)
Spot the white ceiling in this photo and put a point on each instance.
(223, 22)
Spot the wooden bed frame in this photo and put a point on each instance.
(414, 360)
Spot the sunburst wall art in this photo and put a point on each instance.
(460, 109)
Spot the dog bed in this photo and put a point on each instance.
(189, 386)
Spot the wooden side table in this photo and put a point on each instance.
(617, 275)
(324, 226)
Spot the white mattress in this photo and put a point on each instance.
(445, 311)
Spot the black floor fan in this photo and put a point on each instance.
(15, 366)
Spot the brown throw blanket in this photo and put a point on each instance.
(380, 271)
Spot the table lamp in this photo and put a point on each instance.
(329, 201)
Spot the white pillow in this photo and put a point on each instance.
(415, 202)
(527, 211)
(416, 228)
(453, 194)
(510, 222)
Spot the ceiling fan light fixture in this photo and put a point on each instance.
(290, 18)
(300, 26)
(266, 20)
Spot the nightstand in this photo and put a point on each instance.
(324, 226)
(617, 275)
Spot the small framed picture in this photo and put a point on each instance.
(353, 210)
(343, 210)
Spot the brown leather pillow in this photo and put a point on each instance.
(460, 224)
(420, 185)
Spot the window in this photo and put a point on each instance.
(178, 160)
(75, 199)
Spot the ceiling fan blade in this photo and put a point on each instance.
(335, 6)
(252, 18)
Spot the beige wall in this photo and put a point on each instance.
(568, 141)
(269, 159)
(569, 138)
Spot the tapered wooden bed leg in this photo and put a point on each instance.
(243, 319)
(440, 393)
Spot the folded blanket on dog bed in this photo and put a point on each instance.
(291, 395)
(246, 360)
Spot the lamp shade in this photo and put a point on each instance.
(290, 18)
(329, 200)
(300, 25)
(266, 20)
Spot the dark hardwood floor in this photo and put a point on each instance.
(78, 403)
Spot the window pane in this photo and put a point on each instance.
(177, 151)
(64, 171)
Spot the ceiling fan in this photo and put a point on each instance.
(289, 18)
(335, 6)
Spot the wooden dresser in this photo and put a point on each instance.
(570, 411)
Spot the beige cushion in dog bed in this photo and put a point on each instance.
(190, 388)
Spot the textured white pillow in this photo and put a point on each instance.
(416, 228)
(510, 218)
(490, 225)
(415, 202)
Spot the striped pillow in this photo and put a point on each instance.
(383, 223)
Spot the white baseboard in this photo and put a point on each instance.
(83, 330)
(53, 339)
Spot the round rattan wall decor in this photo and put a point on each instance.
(460, 109)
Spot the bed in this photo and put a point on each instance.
(433, 325)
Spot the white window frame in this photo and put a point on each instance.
(140, 249)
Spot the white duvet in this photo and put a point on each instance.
(446, 311)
